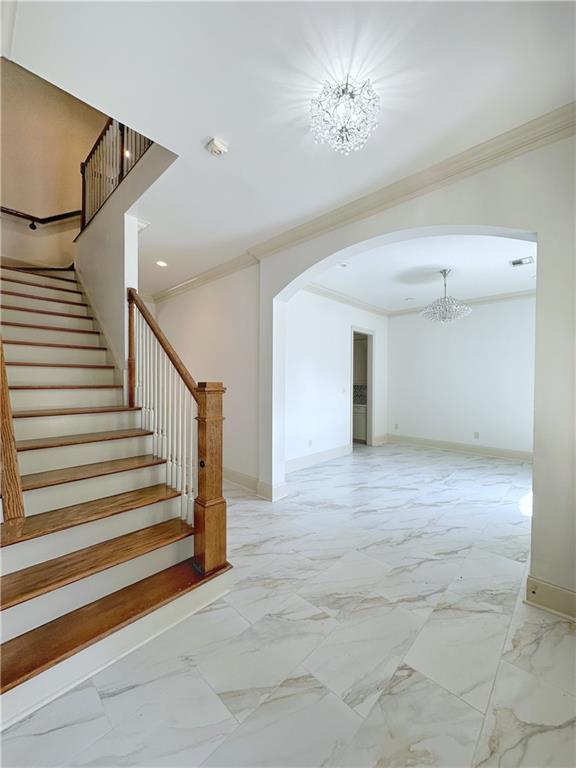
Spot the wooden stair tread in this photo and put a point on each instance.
(45, 312)
(39, 274)
(65, 386)
(39, 649)
(27, 414)
(42, 298)
(17, 530)
(20, 586)
(53, 344)
(35, 480)
(87, 437)
(41, 285)
(60, 328)
(59, 365)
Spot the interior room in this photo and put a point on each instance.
(288, 384)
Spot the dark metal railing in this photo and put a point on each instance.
(115, 153)
(34, 220)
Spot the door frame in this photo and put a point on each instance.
(370, 384)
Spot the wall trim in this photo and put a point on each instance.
(480, 450)
(551, 598)
(272, 492)
(480, 300)
(239, 478)
(310, 460)
(216, 273)
(344, 298)
(546, 129)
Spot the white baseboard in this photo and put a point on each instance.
(272, 492)
(239, 478)
(480, 450)
(551, 598)
(47, 686)
(303, 462)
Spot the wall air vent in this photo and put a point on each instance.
(522, 262)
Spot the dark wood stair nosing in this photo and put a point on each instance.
(85, 438)
(12, 308)
(53, 345)
(41, 285)
(41, 648)
(29, 413)
(43, 298)
(17, 531)
(59, 328)
(46, 577)
(39, 274)
(35, 481)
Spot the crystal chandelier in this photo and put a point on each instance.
(344, 115)
(446, 309)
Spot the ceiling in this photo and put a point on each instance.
(406, 275)
(450, 75)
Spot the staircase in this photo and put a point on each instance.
(105, 538)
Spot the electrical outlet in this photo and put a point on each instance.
(395, 426)
(476, 435)
(309, 443)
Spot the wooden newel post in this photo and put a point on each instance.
(131, 354)
(210, 505)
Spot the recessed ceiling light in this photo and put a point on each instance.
(343, 265)
(161, 264)
(409, 298)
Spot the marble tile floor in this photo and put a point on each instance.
(375, 619)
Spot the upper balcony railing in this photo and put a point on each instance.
(115, 153)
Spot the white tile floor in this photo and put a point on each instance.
(375, 620)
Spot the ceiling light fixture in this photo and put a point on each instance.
(344, 115)
(446, 309)
(161, 264)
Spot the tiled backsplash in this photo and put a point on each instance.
(360, 396)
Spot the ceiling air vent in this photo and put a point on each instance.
(522, 262)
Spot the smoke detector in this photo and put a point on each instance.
(217, 147)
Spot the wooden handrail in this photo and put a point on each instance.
(10, 486)
(107, 124)
(209, 503)
(183, 372)
(40, 219)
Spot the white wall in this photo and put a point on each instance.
(531, 192)
(447, 382)
(214, 329)
(107, 251)
(318, 369)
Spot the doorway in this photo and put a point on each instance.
(361, 389)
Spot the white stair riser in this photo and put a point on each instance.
(26, 399)
(27, 553)
(42, 291)
(37, 318)
(75, 424)
(18, 333)
(65, 494)
(68, 274)
(41, 279)
(28, 353)
(43, 304)
(46, 459)
(22, 374)
(26, 616)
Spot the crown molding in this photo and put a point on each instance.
(546, 129)
(343, 298)
(479, 300)
(543, 130)
(222, 270)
